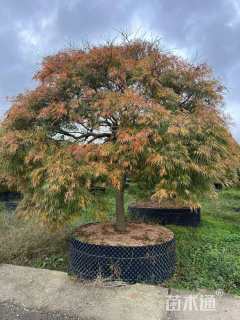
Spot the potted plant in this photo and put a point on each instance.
(108, 113)
(166, 212)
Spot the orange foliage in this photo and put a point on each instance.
(114, 111)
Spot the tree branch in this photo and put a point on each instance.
(87, 135)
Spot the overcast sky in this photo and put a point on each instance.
(200, 30)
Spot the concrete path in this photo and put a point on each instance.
(36, 294)
(10, 311)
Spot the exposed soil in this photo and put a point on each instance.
(155, 204)
(137, 234)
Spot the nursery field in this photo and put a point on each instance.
(207, 256)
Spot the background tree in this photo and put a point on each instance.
(111, 112)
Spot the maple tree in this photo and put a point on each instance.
(111, 112)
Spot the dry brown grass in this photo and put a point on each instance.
(28, 243)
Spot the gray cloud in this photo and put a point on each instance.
(211, 28)
(204, 30)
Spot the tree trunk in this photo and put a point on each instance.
(120, 211)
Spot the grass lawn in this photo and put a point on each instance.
(208, 256)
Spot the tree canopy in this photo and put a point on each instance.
(110, 112)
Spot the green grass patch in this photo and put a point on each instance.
(209, 256)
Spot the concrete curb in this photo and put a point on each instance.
(54, 291)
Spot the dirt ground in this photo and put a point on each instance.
(137, 234)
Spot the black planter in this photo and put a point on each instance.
(96, 189)
(177, 216)
(8, 196)
(150, 264)
(218, 186)
(10, 199)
